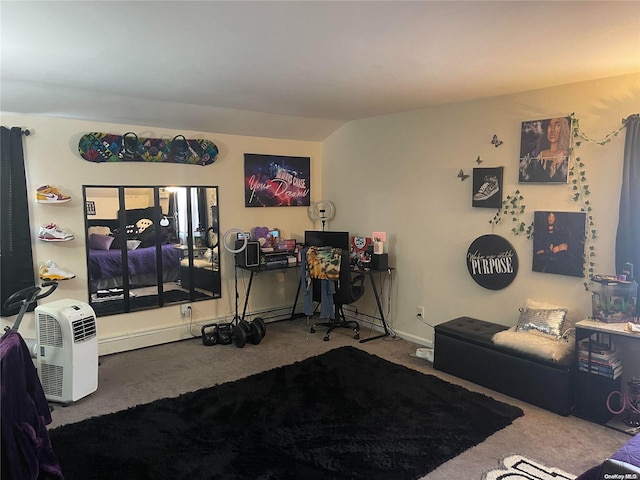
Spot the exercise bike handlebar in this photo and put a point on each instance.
(26, 297)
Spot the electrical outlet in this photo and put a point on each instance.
(421, 311)
(185, 309)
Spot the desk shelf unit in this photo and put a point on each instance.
(596, 340)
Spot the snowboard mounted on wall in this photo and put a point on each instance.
(106, 147)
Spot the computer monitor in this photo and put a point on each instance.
(313, 238)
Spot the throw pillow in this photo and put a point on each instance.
(100, 230)
(133, 244)
(100, 242)
(573, 315)
(550, 322)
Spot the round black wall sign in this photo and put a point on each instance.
(492, 262)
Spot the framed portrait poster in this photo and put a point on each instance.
(487, 187)
(276, 181)
(558, 242)
(544, 150)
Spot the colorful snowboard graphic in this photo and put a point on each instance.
(106, 147)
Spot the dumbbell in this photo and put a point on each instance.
(252, 332)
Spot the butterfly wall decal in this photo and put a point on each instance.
(462, 176)
(495, 141)
(478, 160)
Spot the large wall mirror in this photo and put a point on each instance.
(151, 246)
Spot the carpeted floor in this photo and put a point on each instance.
(345, 414)
(517, 467)
(142, 376)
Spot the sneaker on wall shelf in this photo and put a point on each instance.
(49, 194)
(53, 233)
(51, 271)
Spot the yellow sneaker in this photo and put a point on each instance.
(49, 194)
(51, 271)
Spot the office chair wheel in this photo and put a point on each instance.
(357, 336)
(312, 330)
(326, 338)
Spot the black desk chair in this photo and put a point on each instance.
(348, 289)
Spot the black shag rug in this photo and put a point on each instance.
(345, 414)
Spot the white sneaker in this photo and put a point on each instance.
(488, 188)
(51, 271)
(53, 233)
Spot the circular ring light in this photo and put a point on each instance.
(322, 210)
(225, 240)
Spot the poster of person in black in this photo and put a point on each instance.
(558, 243)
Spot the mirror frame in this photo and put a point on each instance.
(185, 217)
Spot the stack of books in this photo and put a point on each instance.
(603, 360)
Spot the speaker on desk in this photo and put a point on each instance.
(250, 256)
(380, 262)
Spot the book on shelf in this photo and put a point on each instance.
(615, 360)
(596, 348)
(611, 373)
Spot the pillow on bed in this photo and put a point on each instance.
(147, 237)
(133, 244)
(100, 242)
(99, 230)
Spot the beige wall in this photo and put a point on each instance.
(398, 173)
(395, 173)
(51, 157)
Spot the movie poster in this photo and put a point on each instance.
(276, 181)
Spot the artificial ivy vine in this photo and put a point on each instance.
(513, 205)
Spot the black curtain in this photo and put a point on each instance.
(16, 259)
(628, 234)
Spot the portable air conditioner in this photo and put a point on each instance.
(67, 350)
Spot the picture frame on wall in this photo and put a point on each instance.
(558, 242)
(276, 181)
(544, 150)
(487, 187)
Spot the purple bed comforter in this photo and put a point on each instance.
(105, 264)
(624, 463)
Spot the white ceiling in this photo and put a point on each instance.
(300, 69)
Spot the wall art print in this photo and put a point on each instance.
(276, 181)
(544, 150)
(558, 242)
(487, 187)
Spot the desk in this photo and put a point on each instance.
(369, 273)
(264, 268)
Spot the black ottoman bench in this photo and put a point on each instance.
(463, 348)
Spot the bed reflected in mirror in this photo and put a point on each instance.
(151, 246)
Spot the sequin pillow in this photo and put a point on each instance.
(550, 322)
